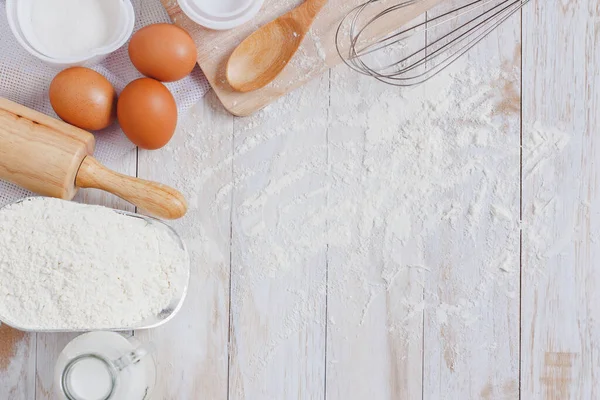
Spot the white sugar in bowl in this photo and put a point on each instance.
(220, 14)
(66, 33)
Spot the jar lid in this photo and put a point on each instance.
(220, 14)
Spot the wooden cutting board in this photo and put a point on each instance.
(316, 55)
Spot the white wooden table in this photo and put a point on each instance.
(312, 329)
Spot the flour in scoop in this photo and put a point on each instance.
(65, 265)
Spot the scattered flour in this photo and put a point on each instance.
(65, 265)
(397, 208)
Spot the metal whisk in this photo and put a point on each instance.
(447, 39)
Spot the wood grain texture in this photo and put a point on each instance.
(278, 269)
(281, 345)
(316, 54)
(192, 348)
(17, 364)
(374, 324)
(561, 201)
(374, 329)
(53, 123)
(40, 153)
(472, 317)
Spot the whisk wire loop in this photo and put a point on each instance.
(421, 63)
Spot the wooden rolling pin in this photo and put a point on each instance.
(53, 158)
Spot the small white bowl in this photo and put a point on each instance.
(220, 14)
(19, 19)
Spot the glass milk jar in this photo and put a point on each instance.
(105, 366)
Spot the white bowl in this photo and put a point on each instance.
(220, 14)
(20, 22)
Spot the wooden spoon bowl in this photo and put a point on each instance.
(262, 56)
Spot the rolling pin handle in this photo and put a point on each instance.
(159, 200)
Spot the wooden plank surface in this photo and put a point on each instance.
(17, 364)
(374, 329)
(192, 349)
(561, 201)
(315, 55)
(471, 291)
(278, 265)
(341, 324)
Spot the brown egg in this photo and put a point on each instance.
(84, 98)
(147, 113)
(163, 51)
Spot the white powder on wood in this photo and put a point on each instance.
(65, 265)
(408, 198)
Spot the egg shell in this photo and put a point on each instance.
(84, 98)
(163, 51)
(147, 113)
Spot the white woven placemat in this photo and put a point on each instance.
(25, 79)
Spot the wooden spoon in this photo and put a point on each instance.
(265, 53)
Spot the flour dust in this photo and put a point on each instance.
(395, 207)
